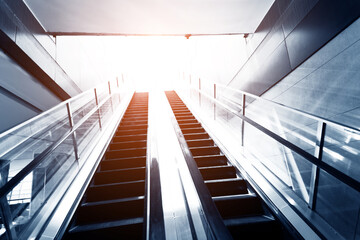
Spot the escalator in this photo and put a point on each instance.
(114, 204)
(242, 210)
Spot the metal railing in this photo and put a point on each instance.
(42, 154)
(313, 157)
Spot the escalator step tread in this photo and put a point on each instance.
(234, 206)
(249, 220)
(105, 225)
(218, 172)
(255, 227)
(122, 163)
(115, 191)
(217, 167)
(124, 153)
(192, 136)
(223, 188)
(120, 171)
(211, 160)
(129, 138)
(126, 132)
(112, 201)
(205, 150)
(235, 197)
(193, 130)
(200, 143)
(112, 210)
(128, 145)
(119, 175)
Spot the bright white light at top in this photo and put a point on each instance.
(150, 62)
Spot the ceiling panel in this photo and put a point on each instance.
(150, 16)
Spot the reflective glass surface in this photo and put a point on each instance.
(48, 139)
(288, 166)
(342, 149)
(339, 205)
(336, 204)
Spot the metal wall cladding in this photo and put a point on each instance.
(6, 25)
(24, 39)
(289, 34)
(26, 17)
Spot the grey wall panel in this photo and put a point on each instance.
(327, 83)
(25, 40)
(295, 14)
(21, 95)
(28, 52)
(13, 113)
(19, 82)
(271, 42)
(296, 29)
(254, 40)
(19, 8)
(6, 23)
(322, 23)
(277, 64)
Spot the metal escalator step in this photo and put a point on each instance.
(126, 132)
(176, 101)
(212, 160)
(189, 125)
(187, 121)
(200, 143)
(121, 163)
(235, 206)
(193, 130)
(134, 118)
(127, 145)
(133, 127)
(124, 153)
(129, 138)
(218, 172)
(185, 117)
(192, 136)
(135, 115)
(124, 123)
(183, 114)
(205, 151)
(122, 229)
(225, 187)
(181, 110)
(254, 227)
(137, 111)
(248, 220)
(117, 176)
(115, 191)
(98, 212)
